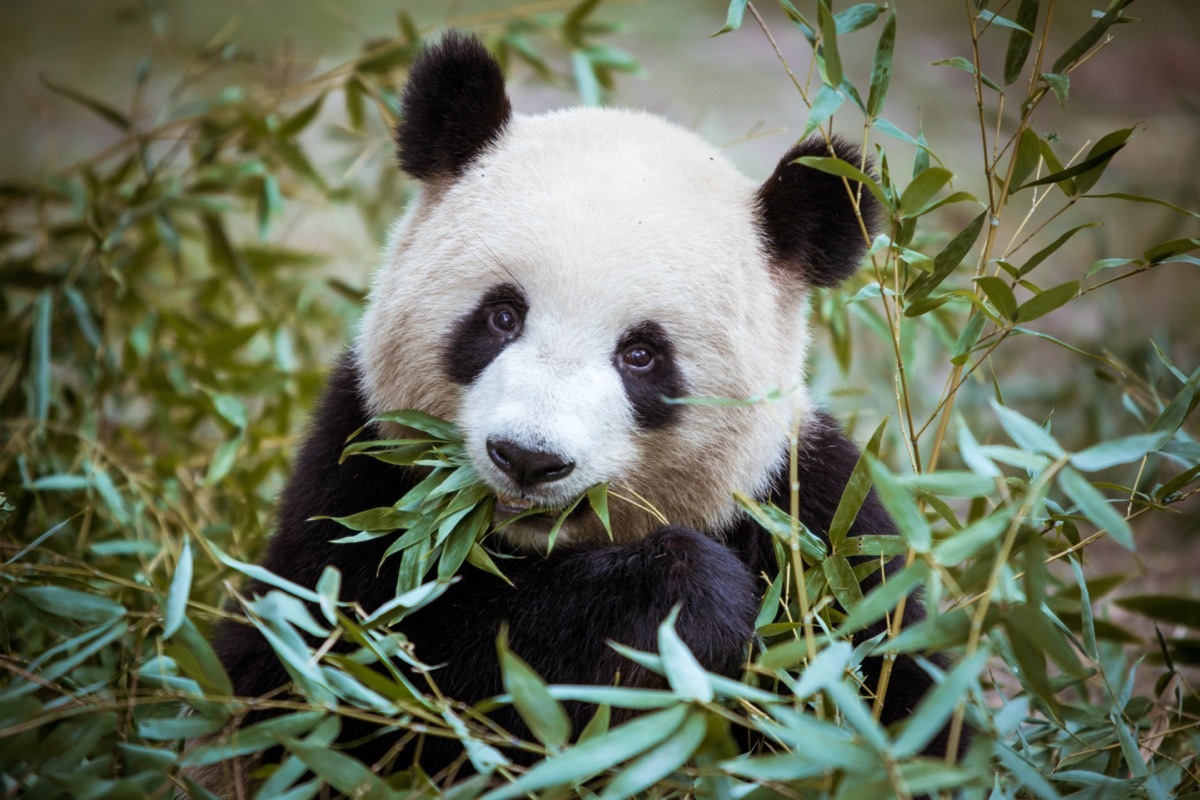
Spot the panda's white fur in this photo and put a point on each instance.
(604, 219)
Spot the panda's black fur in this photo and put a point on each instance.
(564, 608)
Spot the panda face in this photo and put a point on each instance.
(589, 266)
(561, 278)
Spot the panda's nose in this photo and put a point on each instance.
(527, 467)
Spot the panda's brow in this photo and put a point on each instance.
(493, 262)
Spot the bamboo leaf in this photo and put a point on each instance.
(181, 587)
(1020, 40)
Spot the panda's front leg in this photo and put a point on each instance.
(567, 607)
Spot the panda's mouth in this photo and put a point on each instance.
(508, 507)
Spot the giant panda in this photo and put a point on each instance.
(558, 279)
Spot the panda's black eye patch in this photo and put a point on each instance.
(480, 334)
(645, 359)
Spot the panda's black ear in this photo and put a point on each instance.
(808, 218)
(454, 106)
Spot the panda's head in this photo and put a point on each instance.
(560, 277)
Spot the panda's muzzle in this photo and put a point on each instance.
(528, 468)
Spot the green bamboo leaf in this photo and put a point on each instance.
(779, 523)
(1091, 37)
(1050, 249)
(1093, 165)
(949, 483)
(297, 122)
(346, 774)
(920, 192)
(1179, 408)
(1026, 433)
(830, 61)
(596, 755)
(1118, 451)
(1095, 506)
(1059, 84)
(1136, 198)
(842, 581)
(1044, 302)
(39, 357)
(958, 62)
(1020, 40)
(1003, 22)
(972, 539)
(857, 487)
(253, 738)
(71, 604)
(686, 677)
(181, 588)
(733, 17)
(967, 338)
(857, 17)
(616, 696)
(836, 166)
(935, 708)
(896, 499)
(660, 762)
(104, 110)
(884, 597)
(542, 713)
(223, 460)
(1027, 154)
(1161, 252)
(419, 420)
(1171, 609)
(1000, 295)
(598, 499)
(827, 101)
(948, 259)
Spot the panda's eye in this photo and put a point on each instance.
(503, 320)
(638, 358)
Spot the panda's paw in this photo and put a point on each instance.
(717, 594)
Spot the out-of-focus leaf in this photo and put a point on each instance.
(1020, 40)
(180, 591)
(827, 101)
(958, 62)
(542, 713)
(686, 677)
(104, 110)
(71, 604)
(1117, 451)
(660, 762)
(1093, 505)
(896, 499)
(596, 755)
(938, 704)
(857, 488)
(857, 17)
(39, 357)
(733, 16)
(1171, 609)
(1026, 433)
(970, 540)
(1091, 37)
